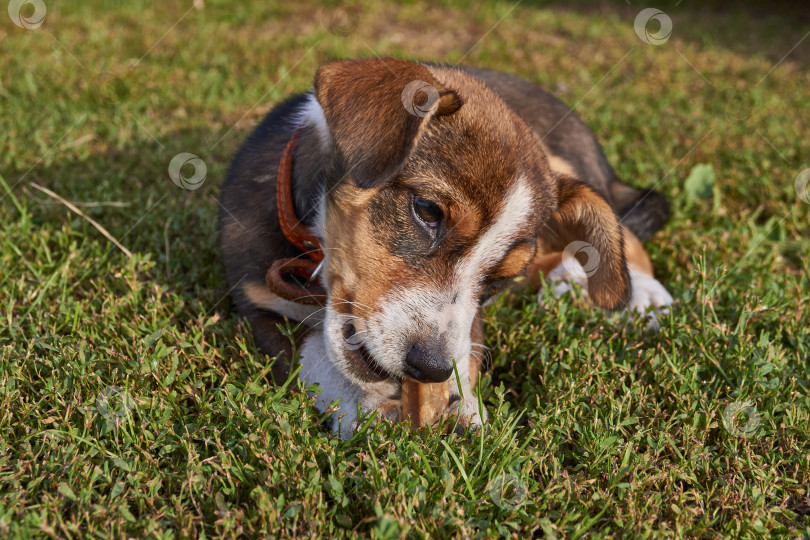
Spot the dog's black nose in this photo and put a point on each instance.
(423, 366)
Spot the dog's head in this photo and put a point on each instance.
(444, 197)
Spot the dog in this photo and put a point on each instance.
(381, 210)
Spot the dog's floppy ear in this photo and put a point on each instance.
(375, 109)
(585, 227)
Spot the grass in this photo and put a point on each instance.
(133, 401)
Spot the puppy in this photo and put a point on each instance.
(381, 210)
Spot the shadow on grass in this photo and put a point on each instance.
(130, 193)
(749, 28)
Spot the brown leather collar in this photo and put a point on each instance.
(281, 277)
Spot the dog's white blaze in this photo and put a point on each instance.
(491, 247)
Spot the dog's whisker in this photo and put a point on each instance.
(316, 312)
(321, 310)
(353, 303)
(308, 253)
(347, 302)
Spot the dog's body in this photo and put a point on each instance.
(430, 188)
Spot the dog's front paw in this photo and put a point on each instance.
(648, 297)
(467, 413)
(564, 277)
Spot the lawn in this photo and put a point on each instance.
(134, 402)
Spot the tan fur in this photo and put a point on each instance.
(360, 268)
(361, 100)
(557, 163)
(259, 295)
(516, 261)
(349, 239)
(543, 264)
(635, 253)
(466, 220)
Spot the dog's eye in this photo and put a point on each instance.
(428, 212)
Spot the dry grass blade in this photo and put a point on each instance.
(90, 220)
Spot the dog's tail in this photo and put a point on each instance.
(642, 211)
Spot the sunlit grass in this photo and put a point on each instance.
(133, 401)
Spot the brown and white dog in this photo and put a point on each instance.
(427, 189)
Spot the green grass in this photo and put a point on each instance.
(133, 401)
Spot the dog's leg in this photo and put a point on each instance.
(562, 271)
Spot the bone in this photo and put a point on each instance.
(423, 403)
